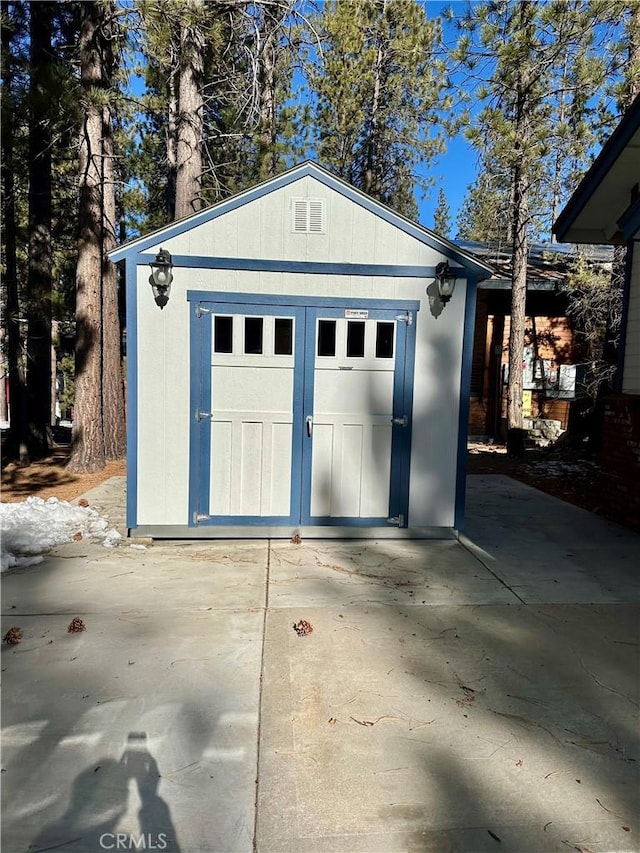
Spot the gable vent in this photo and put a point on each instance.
(308, 216)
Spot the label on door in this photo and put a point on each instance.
(355, 314)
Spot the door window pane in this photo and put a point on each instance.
(327, 337)
(384, 340)
(253, 335)
(283, 342)
(223, 334)
(355, 339)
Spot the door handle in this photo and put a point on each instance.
(309, 423)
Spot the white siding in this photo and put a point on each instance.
(631, 372)
(262, 229)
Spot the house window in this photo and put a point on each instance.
(308, 216)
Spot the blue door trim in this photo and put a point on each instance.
(403, 404)
(200, 395)
(305, 310)
(302, 301)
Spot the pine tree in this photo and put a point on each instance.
(442, 216)
(190, 110)
(377, 89)
(533, 101)
(96, 334)
(17, 444)
(40, 267)
(113, 414)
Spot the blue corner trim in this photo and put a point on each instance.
(306, 169)
(626, 298)
(132, 392)
(465, 393)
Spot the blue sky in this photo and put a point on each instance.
(455, 170)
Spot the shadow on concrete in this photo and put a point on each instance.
(99, 804)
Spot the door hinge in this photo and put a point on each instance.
(200, 311)
(201, 416)
(198, 517)
(407, 318)
(397, 519)
(403, 420)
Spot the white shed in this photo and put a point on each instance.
(305, 376)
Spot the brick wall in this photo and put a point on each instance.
(477, 416)
(620, 458)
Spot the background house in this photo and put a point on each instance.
(605, 208)
(555, 361)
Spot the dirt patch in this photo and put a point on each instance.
(48, 478)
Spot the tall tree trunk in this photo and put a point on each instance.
(266, 79)
(557, 162)
(172, 144)
(520, 230)
(39, 282)
(371, 184)
(87, 451)
(16, 446)
(113, 419)
(190, 119)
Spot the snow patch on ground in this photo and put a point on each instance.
(32, 527)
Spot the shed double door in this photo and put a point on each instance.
(303, 416)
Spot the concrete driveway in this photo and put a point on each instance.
(474, 696)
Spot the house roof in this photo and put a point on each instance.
(306, 169)
(547, 263)
(602, 207)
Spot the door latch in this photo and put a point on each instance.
(403, 420)
(397, 519)
(309, 423)
(201, 416)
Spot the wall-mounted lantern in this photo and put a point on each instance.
(446, 280)
(161, 277)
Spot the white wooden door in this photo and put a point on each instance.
(351, 411)
(252, 420)
(303, 416)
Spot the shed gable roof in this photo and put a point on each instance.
(306, 169)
